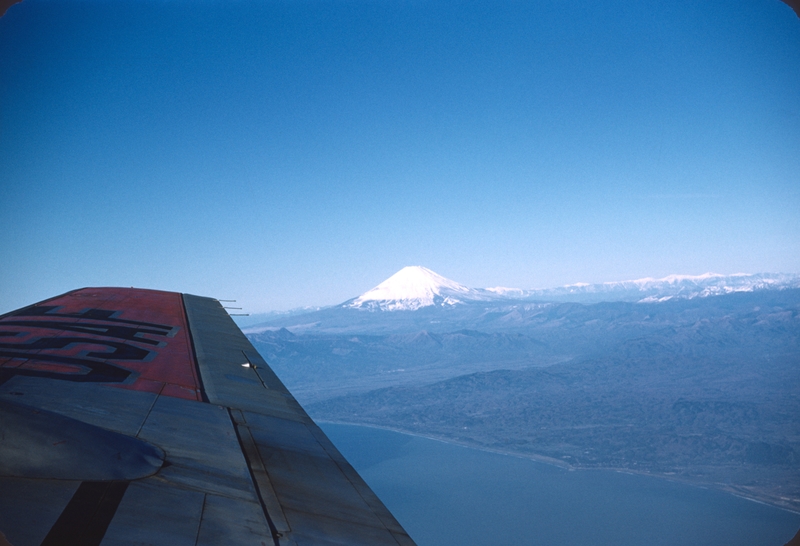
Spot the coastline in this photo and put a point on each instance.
(765, 499)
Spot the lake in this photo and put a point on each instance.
(445, 494)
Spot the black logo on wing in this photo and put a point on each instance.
(105, 336)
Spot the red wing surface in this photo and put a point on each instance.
(134, 416)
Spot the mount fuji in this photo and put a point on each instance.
(414, 287)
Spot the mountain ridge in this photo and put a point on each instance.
(414, 287)
(420, 291)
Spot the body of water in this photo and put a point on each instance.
(445, 494)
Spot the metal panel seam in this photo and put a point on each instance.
(199, 376)
(149, 411)
(250, 454)
(200, 523)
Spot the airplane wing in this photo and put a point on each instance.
(133, 416)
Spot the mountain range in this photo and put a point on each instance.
(417, 298)
(414, 287)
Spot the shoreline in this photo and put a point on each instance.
(572, 468)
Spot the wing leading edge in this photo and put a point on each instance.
(136, 416)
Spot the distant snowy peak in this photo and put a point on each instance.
(505, 292)
(712, 284)
(411, 288)
(672, 286)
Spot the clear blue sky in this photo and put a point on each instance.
(298, 153)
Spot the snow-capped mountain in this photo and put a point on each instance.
(651, 290)
(414, 287)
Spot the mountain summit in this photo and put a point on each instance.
(411, 288)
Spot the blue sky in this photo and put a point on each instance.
(298, 153)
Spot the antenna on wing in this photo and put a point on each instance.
(233, 314)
